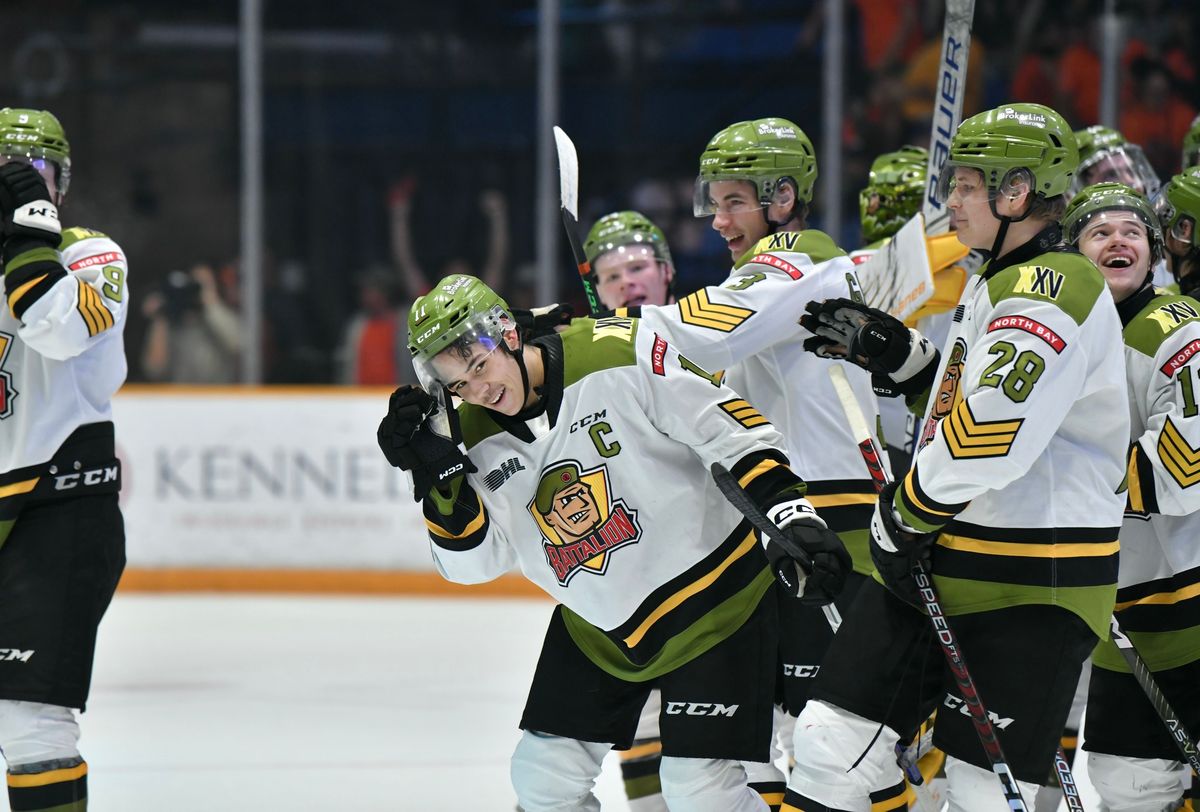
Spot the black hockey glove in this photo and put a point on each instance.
(541, 321)
(411, 445)
(901, 361)
(28, 215)
(895, 550)
(811, 563)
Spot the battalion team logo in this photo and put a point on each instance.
(7, 393)
(949, 393)
(581, 523)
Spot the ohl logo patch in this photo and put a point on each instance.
(7, 393)
(581, 523)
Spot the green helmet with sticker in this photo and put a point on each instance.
(459, 310)
(763, 151)
(1094, 200)
(1105, 156)
(1191, 145)
(1015, 138)
(1178, 205)
(624, 228)
(893, 194)
(1095, 138)
(36, 135)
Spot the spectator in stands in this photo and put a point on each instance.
(1155, 115)
(194, 335)
(374, 352)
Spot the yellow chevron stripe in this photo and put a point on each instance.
(89, 316)
(1163, 598)
(26, 780)
(977, 427)
(24, 486)
(105, 314)
(696, 309)
(771, 798)
(757, 471)
(971, 438)
(751, 422)
(1015, 548)
(641, 751)
(694, 588)
(16, 295)
(471, 527)
(911, 493)
(1181, 460)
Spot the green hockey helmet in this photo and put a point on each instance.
(1178, 207)
(1014, 143)
(36, 136)
(1102, 201)
(764, 151)
(458, 313)
(1106, 157)
(1191, 145)
(624, 228)
(893, 194)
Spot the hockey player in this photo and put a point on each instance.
(1132, 760)
(1178, 210)
(1106, 157)
(588, 468)
(631, 260)
(1012, 501)
(756, 180)
(61, 360)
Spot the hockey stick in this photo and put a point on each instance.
(741, 500)
(1141, 672)
(947, 106)
(945, 635)
(568, 189)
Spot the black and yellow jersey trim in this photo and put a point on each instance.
(1033, 556)
(1164, 604)
(969, 438)
(1142, 496)
(918, 509)
(96, 316)
(464, 527)
(1178, 457)
(699, 311)
(746, 415)
(28, 276)
(846, 506)
(684, 617)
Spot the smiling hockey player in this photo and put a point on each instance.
(1132, 760)
(664, 586)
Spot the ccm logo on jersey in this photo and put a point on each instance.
(96, 259)
(1034, 328)
(957, 703)
(97, 476)
(700, 709)
(802, 671)
(7, 655)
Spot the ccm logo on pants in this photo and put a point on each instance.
(700, 709)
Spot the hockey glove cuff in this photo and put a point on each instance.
(30, 220)
(896, 549)
(810, 562)
(411, 445)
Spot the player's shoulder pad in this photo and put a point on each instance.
(72, 235)
(1164, 317)
(1065, 279)
(83, 248)
(816, 245)
(591, 345)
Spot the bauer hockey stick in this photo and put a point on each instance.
(1141, 672)
(948, 95)
(568, 188)
(741, 500)
(945, 635)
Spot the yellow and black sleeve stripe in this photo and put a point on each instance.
(1141, 497)
(968, 438)
(1178, 457)
(464, 528)
(920, 510)
(96, 316)
(698, 310)
(746, 415)
(29, 275)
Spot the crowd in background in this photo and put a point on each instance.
(423, 162)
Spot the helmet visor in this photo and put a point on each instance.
(465, 350)
(51, 171)
(1125, 164)
(1173, 222)
(726, 196)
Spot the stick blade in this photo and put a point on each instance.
(568, 172)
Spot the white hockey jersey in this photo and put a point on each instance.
(1158, 595)
(747, 329)
(62, 354)
(1023, 456)
(605, 500)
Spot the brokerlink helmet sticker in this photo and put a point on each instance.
(581, 523)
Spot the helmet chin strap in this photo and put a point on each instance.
(1005, 222)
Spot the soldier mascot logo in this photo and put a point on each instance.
(580, 521)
